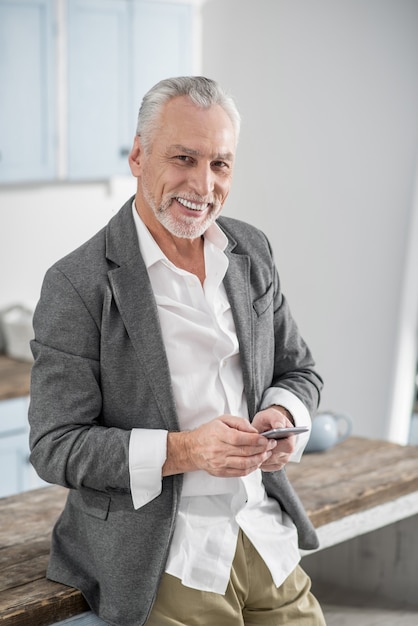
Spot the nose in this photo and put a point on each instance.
(203, 179)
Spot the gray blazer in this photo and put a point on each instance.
(100, 370)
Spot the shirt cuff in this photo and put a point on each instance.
(147, 454)
(300, 414)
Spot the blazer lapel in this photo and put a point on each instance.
(237, 286)
(136, 303)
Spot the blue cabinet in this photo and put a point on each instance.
(16, 473)
(27, 115)
(161, 45)
(117, 49)
(114, 50)
(99, 128)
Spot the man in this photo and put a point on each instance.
(163, 348)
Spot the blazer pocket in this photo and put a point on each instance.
(261, 305)
(92, 502)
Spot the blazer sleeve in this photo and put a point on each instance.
(69, 445)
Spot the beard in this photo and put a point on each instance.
(183, 226)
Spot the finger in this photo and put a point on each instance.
(272, 468)
(287, 445)
(248, 463)
(247, 443)
(238, 423)
(240, 466)
(276, 462)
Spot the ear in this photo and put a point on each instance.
(135, 157)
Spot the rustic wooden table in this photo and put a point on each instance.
(26, 597)
(353, 478)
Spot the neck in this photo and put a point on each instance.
(187, 254)
(184, 253)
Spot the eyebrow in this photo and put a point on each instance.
(227, 156)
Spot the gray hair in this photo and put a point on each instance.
(204, 92)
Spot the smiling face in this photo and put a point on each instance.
(184, 179)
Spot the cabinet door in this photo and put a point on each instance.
(117, 49)
(16, 472)
(14, 445)
(14, 464)
(161, 44)
(99, 132)
(26, 91)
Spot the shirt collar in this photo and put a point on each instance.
(151, 251)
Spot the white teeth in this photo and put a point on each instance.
(192, 205)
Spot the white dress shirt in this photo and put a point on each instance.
(203, 356)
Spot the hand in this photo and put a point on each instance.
(276, 417)
(227, 446)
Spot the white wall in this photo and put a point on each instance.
(39, 224)
(328, 90)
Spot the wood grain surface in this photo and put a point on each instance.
(355, 475)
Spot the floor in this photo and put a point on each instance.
(363, 611)
(358, 616)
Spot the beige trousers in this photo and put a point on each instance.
(251, 598)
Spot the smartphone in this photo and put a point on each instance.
(281, 433)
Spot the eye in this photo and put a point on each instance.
(220, 165)
(184, 158)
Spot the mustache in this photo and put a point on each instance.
(193, 197)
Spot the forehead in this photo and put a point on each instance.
(183, 123)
